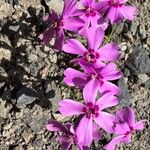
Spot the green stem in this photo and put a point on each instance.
(108, 38)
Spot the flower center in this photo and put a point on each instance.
(91, 56)
(58, 24)
(90, 12)
(91, 110)
(128, 132)
(114, 3)
(98, 77)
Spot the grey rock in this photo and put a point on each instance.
(134, 27)
(26, 96)
(139, 61)
(119, 30)
(147, 84)
(53, 95)
(142, 31)
(125, 95)
(36, 119)
(7, 95)
(14, 28)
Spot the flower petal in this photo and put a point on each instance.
(99, 64)
(59, 39)
(86, 3)
(127, 139)
(47, 36)
(74, 47)
(62, 138)
(70, 7)
(65, 145)
(90, 91)
(74, 77)
(102, 6)
(84, 131)
(90, 20)
(109, 87)
(109, 52)
(128, 12)
(114, 15)
(121, 128)
(73, 24)
(113, 143)
(122, 1)
(51, 18)
(96, 133)
(69, 107)
(83, 147)
(111, 72)
(107, 100)
(127, 115)
(106, 121)
(102, 23)
(55, 126)
(82, 32)
(96, 39)
(140, 125)
(88, 69)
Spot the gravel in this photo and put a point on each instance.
(31, 75)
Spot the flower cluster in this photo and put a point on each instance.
(97, 71)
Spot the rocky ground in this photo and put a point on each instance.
(31, 75)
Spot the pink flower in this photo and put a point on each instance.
(93, 54)
(90, 14)
(91, 111)
(67, 136)
(57, 25)
(116, 10)
(125, 128)
(93, 80)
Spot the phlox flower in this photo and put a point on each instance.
(117, 10)
(91, 111)
(125, 127)
(57, 24)
(93, 54)
(89, 13)
(67, 135)
(94, 79)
